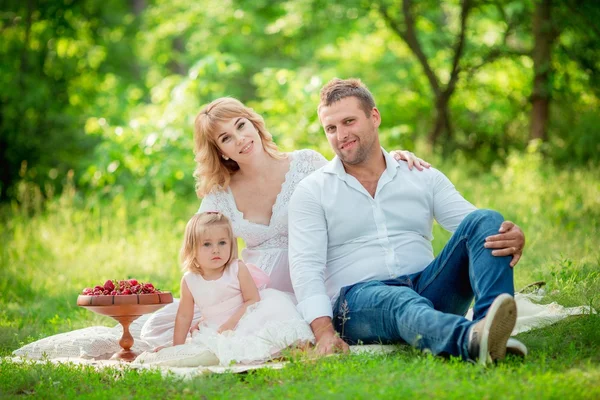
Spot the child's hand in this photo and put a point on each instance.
(194, 327)
(159, 348)
(227, 326)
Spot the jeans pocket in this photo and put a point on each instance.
(404, 280)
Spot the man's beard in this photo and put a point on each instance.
(362, 153)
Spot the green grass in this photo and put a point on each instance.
(47, 257)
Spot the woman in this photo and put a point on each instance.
(241, 173)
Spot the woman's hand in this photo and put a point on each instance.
(410, 158)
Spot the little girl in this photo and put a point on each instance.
(239, 324)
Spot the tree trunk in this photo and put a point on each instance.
(441, 131)
(138, 6)
(542, 86)
(175, 65)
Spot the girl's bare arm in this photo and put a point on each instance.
(185, 314)
(249, 293)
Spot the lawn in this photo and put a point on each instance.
(48, 255)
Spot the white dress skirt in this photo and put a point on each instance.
(267, 328)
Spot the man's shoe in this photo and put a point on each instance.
(488, 337)
(515, 347)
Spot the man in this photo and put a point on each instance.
(361, 259)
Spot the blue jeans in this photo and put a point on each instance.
(427, 309)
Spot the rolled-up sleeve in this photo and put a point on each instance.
(308, 252)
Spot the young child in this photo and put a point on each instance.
(239, 324)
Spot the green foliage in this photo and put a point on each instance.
(109, 91)
(59, 63)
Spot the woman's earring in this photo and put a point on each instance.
(224, 157)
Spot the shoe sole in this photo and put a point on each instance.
(499, 323)
(516, 348)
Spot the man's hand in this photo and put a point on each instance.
(328, 341)
(510, 241)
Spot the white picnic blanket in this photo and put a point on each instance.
(532, 315)
(75, 347)
(190, 372)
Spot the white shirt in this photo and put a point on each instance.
(339, 235)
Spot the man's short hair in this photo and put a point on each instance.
(338, 89)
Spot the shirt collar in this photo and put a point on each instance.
(336, 167)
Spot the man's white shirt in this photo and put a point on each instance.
(339, 235)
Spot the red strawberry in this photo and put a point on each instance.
(109, 285)
(88, 291)
(133, 282)
(114, 293)
(126, 291)
(136, 289)
(98, 287)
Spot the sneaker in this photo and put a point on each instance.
(488, 337)
(515, 347)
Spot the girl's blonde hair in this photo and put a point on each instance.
(212, 171)
(196, 228)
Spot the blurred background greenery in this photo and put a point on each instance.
(101, 95)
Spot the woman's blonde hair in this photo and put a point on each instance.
(196, 228)
(212, 171)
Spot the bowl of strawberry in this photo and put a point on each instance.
(125, 301)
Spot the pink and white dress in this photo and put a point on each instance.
(266, 328)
